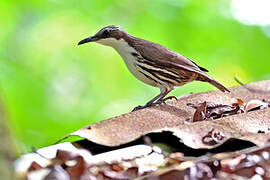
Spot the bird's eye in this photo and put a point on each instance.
(106, 33)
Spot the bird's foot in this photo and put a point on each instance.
(163, 101)
(169, 98)
(139, 107)
(142, 107)
(160, 101)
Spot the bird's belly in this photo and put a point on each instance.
(130, 62)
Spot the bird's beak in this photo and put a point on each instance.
(89, 39)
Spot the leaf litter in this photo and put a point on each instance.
(244, 164)
(211, 110)
(210, 124)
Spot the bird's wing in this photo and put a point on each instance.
(166, 57)
(163, 57)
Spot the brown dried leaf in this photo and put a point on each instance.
(34, 166)
(172, 117)
(256, 104)
(75, 172)
(211, 110)
(222, 111)
(213, 138)
(63, 155)
(240, 102)
(242, 164)
(200, 113)
(245, 164)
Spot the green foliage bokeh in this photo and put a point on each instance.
(51, 86)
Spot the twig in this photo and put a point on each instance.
(60, 140)
(251, 89)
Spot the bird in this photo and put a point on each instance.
(152, 63)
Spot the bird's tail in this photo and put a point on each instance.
(212, 81)
(219, 86)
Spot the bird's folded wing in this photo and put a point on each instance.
(166, 57)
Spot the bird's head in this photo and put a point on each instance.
(109, 35)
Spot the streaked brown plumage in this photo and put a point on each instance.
(152, 63)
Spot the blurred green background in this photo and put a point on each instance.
(52, 87)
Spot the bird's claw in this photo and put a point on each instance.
(163, 101)
(169, 98)
(160, 101)
(138, 108)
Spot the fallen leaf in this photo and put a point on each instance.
(200, 113)
(172, 117)
(75, 172)
(255, 104)
(217, 117)
(213, 138)
(246, 164)
(34, 166)
(64, 155)
(57, 173)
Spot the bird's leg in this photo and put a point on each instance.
(151, 102)
(163, 100)
(159, 99)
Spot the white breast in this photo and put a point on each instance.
(122, 47)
